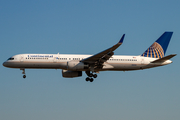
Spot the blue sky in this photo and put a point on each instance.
(88, 27)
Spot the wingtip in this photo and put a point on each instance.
(174, 54)
(122, 38)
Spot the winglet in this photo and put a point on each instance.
(121, 40)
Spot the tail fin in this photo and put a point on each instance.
(159, 47)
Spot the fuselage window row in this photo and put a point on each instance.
(123, 59)
(109, 59)
(62, 58)
(69, 58)
(80, 59)
(37, 58)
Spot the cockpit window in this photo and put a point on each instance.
(11, 58)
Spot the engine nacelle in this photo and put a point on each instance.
(76, 66)
(71, 74)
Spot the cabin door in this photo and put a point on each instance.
(142, 61)
(22, 58)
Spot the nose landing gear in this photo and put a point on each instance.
(23, 72)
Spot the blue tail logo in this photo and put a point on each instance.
(158, 48)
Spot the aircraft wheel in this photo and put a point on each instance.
(95, 75)
(24, 76)
(91, 80)
(87, 79)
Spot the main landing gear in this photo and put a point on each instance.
(90, 76)
(23, 72)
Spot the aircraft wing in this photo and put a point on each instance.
(104, 55)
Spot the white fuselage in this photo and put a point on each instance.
(60, 61)
(73, 65)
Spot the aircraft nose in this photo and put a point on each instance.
(5, 64)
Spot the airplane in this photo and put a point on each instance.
(73, 65)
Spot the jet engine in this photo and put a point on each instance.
(71, 74)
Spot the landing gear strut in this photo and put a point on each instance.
(23, 72)
(90, 76)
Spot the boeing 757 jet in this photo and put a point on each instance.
(73, 65)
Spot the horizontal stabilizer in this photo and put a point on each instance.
(164, 59)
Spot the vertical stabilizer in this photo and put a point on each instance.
(159, 47)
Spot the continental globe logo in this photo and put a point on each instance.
(154, 51)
